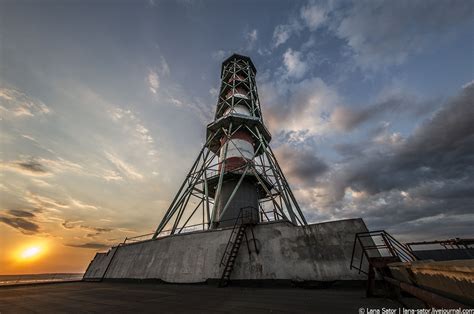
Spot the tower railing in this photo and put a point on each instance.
(264, 217)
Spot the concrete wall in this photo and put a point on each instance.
(319, 252)
(98, 265)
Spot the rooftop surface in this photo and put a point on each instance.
(100, 297)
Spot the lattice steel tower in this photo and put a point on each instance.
(236, 167)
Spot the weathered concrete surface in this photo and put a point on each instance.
(452, 279)
(104, 297)
(319, 252)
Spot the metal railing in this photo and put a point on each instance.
(264, 216)
(378, 244)
(456, 243)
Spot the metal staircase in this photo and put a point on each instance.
(375, 250)
(243, 221)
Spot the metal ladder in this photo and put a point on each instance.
(233, 246)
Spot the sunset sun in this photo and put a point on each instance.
(30, 252)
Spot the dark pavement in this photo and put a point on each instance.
(104, 297)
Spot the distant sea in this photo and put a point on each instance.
(6, 280)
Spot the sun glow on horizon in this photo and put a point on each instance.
(30, 252)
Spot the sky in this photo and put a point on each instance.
(104, 104)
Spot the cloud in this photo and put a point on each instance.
(283, 32)
(251, 38)
(253, 35)
(41, 183)
(294, 65)
(133, 128)
(60, 165)
(67, 224)
(22, 220)
(428, 173)
(30, 167)
(90, 245)
(123, 167)
(313, 15)
(79, 204)
(298, 107)
(164, 67)
(111, 175)
(384, 33)
(16, 104)
(153, 81)
(301, 164)
(44, 203)
(131, 123)
(380, 34)
(42, 166)
(90, 231)
(20, 223)
(20, 213)
(219, 55)
(347, 118)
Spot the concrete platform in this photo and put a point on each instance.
(105, 297)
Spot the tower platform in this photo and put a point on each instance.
(316, 252)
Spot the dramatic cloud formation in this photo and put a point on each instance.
(384, 33)
(301, 164)
(301, 106)
(440, 149)
(21, 220)
(347, 118)
(362, 99)
(429, 174)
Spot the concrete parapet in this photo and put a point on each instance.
(318, 252)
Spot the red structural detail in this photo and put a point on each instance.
(233, 163)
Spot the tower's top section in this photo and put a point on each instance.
(236, 57)
(238, 105)
(238, 92)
